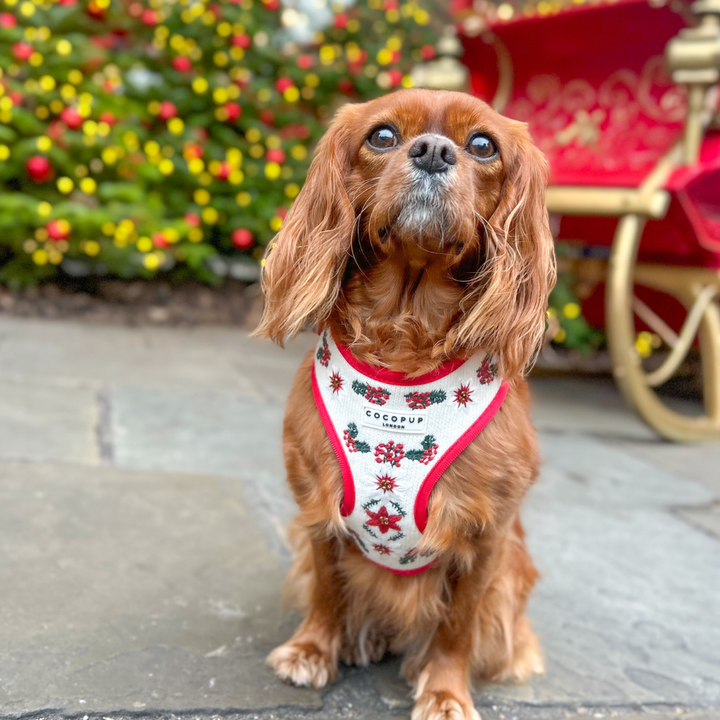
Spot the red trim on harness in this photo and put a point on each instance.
(348, 482)
(414, 571)
(391, 377)
(423, 496)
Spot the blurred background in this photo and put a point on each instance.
(149, 151)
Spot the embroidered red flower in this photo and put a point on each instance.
(385, 483)
(382, 520)
(336, 382)
(381, 549)
(389, 452)
(463, 395)
(487, 371)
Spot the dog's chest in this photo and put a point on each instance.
(394, 437)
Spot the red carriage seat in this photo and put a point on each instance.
(591, 83)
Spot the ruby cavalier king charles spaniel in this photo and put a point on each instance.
(419, 248)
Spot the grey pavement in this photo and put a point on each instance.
(143, 510)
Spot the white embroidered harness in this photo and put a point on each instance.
(394, 437)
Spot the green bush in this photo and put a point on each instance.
(171, 137)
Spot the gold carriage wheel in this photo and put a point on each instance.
(698, 289)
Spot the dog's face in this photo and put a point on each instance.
(427, 169)
(425, 177)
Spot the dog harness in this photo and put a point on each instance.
(394, 437)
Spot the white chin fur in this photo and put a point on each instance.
(424, 209)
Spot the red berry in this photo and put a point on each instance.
(427, 52)
(16, 97)
(345, 85)
(242, 239)
(304, 62)
(22, 51)
(72, 118)
(224, 170)
(182, 63)
(233, 110)
(267, 116)
(192, 219)
(276, 156)
(193, 151)
(341, 20)
(395, 77)
(159, 240)
(57, 230)
(108, 117)
(39, 169)
(7, 21)
(167, 110)
(242, 41)
(272, 4)
(281, 212)
(284, 83)
(149, 17)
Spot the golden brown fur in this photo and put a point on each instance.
(408, 295)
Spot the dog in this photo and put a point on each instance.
(419, 247)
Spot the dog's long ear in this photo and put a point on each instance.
(305, 264)
(505, 308)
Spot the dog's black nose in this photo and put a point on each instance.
(433, 154)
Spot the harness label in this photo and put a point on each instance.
(403, 421)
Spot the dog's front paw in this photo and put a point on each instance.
(441, 705)
(302, 663)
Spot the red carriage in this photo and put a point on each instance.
(622, 97)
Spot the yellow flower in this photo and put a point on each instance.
(210, 215)
(88, 185)
(292, 190)
(91, 247)
(144, 244)
(65, 185)
(151, 261)
(44, 143)
(292, 94)
(4, 152)
(64, 47)
(272, 171)
(200, 85)
(44, 209)
(176, 126)
(571, 311)
(40, 257)
(201, 196)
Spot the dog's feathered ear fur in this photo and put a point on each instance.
(505, 310)
(304, 268)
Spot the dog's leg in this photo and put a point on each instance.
(310, 657)
(442, 689)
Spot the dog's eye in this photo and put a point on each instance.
(383, 138)
(481, 146)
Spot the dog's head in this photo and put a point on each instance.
(431, 176)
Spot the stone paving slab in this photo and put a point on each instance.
(46, 422)
(135, 591)
(142, 540)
